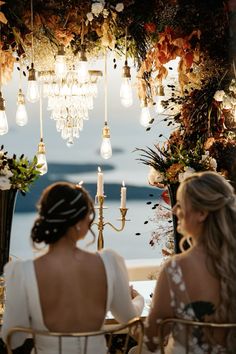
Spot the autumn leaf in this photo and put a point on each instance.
(3, 18)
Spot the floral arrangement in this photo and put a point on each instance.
(17, 173)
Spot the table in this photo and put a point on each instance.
(145, 288)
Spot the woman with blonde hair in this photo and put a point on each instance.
(199, 284)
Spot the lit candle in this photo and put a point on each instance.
(123, 196)
(100, 183)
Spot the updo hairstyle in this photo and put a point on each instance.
(61, 205)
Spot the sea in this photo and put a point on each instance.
(81, 161)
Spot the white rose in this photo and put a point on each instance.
(90, 16)
(226, 103)
(119, 7)
(105, 13)
(218, 96)
(97, 8)
(213, 163)
(4, 183)
(7, 173)
(155, 176)
(188, 171)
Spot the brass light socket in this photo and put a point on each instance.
(2, 101)
(126, 71)
(82, 54)
(41, 148)
(61, 50)
(106, 132)
(20, 97)
(32, 73)
(160, 90)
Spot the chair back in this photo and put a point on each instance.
(186, 327)
(133, 327)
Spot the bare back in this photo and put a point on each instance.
(72, 290)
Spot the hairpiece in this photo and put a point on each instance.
(78, 212)
(61, 201)
(76, 199)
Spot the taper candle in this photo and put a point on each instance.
(100, 183)
(123, 196)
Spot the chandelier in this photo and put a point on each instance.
(69, 99)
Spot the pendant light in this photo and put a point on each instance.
(32, 89)
(126, 94)
(106, 149)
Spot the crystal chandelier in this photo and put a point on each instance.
(69, 100)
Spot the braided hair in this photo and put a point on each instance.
(61, 205)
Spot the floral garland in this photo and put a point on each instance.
(200, 33)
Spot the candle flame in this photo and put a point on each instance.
(99, 169)
(123, 183)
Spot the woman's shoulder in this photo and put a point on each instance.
(16, 267)
(112, 257)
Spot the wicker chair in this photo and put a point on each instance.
(133, 326)
(208, 327)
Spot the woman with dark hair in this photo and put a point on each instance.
(67, 289)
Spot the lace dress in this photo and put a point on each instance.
(185, 309)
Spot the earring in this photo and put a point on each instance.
(77, 227)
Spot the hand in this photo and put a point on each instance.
(133, 292)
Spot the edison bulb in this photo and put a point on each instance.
(42, 161)
(145, 117)
(82, 71)
(32, 91)
(126, 92)
(3, 122)
(60, 66)
(159, 106)
(106, 150)
(21, 115)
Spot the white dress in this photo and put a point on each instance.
(23, 304)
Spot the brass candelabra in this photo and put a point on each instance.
(101, 224)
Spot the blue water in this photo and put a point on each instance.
(127, 243)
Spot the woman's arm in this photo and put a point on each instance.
(122, 306)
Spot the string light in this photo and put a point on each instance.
(32, 89)
(41, 154)
(3, 117)
(21, 113)
(126, 94)
(106, 149)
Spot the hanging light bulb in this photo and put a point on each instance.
(21, 114)
(41, 156)
(126, 89)
(82, 69)
(106, 150)
(3, 117)
(60, 63)
(145, 115)
(32, 89)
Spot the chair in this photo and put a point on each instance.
(133, 326)
(187, 325)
